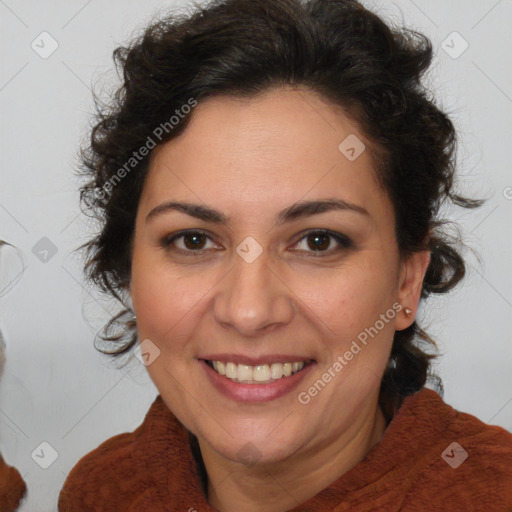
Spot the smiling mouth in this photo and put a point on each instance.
(259, 374)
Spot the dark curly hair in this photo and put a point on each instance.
(336, 48)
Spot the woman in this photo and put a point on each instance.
(269, 180)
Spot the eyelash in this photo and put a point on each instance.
(344, 242)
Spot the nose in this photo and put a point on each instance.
(253, 298)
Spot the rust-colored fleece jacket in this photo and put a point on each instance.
(416, 467)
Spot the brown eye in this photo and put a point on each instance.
(194, 241)
(190, 242)
(318, 241)
(322, 242)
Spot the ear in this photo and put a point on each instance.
(412, 273)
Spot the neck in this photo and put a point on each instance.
(285, 485)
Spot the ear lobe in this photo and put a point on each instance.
(412, 274)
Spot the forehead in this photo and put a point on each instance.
(272, 149)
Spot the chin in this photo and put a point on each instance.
(261, 443)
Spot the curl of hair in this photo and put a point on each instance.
(335, 48)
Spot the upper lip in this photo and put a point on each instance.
(255, 361)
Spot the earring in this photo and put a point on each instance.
(408, 311)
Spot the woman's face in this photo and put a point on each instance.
(248, 278)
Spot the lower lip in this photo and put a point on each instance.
(254, 392)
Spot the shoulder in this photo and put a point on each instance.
(109, 475)
(100, 472)
(466, 463)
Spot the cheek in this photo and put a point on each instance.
(347, 299)
(164, 297)
(163, 308)
(347, 306)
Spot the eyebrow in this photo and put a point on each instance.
(296, 211)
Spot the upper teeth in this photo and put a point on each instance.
(260, 373)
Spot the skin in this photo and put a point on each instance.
(249, 159)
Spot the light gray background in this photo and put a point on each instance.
(56, 387)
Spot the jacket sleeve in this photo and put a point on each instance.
(100, 480)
